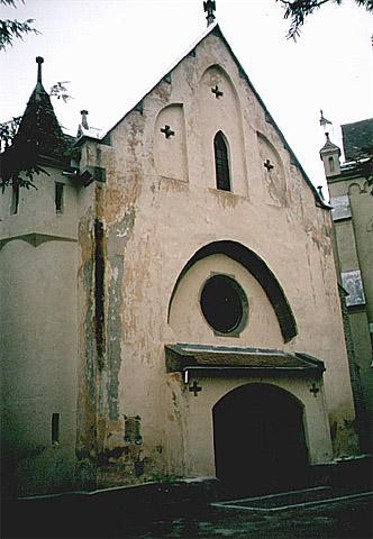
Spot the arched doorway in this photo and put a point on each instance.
(259, 439)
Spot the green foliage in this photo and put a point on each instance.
(11, 29)
(11, 168)
(19, 166)
(8, 131)
(298, 11)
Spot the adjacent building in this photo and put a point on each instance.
(350, 185)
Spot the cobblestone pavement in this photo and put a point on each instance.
(345, 519)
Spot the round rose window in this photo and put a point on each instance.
(224, 304)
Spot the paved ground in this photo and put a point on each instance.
(346, 519)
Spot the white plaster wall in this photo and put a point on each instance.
(39, 341)
(199, 430)
(188, 322)
(36, 211)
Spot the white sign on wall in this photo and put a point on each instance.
(341, 207)
(353, 284)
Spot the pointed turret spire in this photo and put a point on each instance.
(39, 140)
(209, 7)
(39, 61)
(39, 134)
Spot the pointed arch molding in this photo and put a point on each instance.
(36, 239)
(259, 269)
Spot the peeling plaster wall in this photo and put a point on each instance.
(135, 420)
(90, 301)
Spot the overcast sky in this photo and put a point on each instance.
(113, 51)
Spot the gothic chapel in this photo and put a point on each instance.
(169, 295)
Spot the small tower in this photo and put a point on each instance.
(329, 155)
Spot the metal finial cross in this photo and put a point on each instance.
(268, 165)
(195, 388)
(218, 93)
(167, 131)
(209, 7)
(314, 389)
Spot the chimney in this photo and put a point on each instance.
(84, 114)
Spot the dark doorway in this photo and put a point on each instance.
(259, 439)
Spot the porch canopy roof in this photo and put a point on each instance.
(224, 360)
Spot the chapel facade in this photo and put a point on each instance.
(170, 295)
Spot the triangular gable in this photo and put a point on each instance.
(215, 29)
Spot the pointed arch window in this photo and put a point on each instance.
(15, 199)
(221, 162)
(331, 164)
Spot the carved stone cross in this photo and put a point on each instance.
(314, 389)
(268, 165)
(195, 388)
(218, 93)
(167, 131)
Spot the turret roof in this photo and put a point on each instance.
(39, 130)
(329, 146)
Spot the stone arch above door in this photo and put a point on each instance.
(258, 268)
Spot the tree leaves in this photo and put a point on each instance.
(298, 10)
(11, 29)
